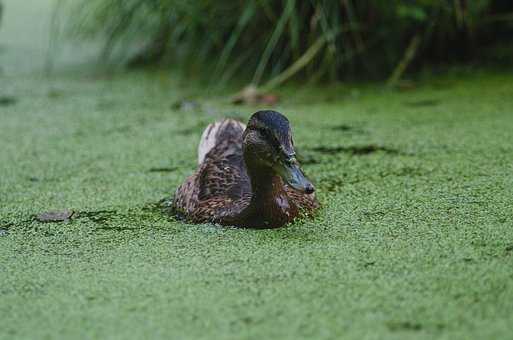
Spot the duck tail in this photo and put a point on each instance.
(215, 132)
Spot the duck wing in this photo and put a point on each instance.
(218, 132)
(221, 176)
(223, 172)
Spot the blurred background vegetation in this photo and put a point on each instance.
(268, 42)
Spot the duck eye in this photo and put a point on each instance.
(264, 132)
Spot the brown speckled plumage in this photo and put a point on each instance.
(221, 190)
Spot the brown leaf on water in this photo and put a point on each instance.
(269, 99)
(55, 216)
(250, 95)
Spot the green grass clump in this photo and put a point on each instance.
(318, 39)
(414, 238)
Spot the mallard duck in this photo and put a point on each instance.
(247, 176)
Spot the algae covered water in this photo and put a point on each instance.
(414, 238)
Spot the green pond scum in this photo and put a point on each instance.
(414, 238)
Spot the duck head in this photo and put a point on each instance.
(269, 149)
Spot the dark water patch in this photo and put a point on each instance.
(99, 216)
(373, 214)
(55, 216)
(117, 228)
(6, 225)
(35, 179)
(8, 100)
(355, 150)
(404, 326)
(346, 128)
(509, 248)
(423, 103)
(369, 264)
(163, 169)
(328, 150)
(341, 127)
(307, 159)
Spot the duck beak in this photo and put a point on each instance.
(293, 175)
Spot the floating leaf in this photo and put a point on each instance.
(55, 216)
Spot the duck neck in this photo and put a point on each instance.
(264, 185)
(269, 200)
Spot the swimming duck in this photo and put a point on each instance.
(247, 176)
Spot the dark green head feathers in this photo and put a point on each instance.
(271, 120)
(275, 127)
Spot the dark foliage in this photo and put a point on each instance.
(320, 39)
